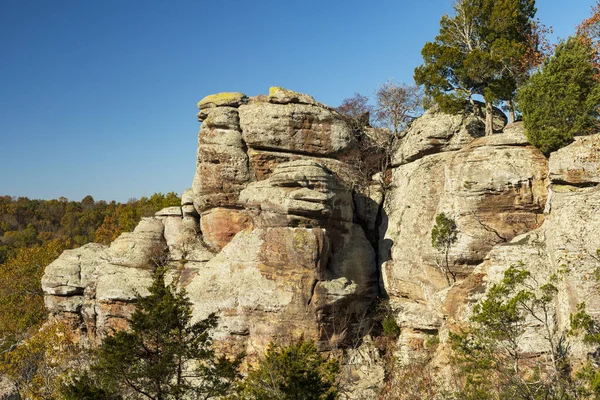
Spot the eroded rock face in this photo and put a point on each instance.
(565, 244)
(276, 237)
(266, 237)
(493, 187)
(436, 132)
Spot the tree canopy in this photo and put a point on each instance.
(164, 355)
(477, 52)
(562, 99)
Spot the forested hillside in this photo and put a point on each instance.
(35, 232)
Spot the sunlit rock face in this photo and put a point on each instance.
(564, 245)
(267, 237)
(277, 237)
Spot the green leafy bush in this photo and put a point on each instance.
(562, 99)
(294, 372)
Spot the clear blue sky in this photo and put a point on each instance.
(99, 97)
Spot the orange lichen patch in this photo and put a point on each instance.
(220, 225)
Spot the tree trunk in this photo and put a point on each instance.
(511, 111)
(489, 118)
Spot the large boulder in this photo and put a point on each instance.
(298, 192)
(494, 188)
(436, 131)
(294, 127)
(578, 163)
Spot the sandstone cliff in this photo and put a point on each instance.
(276, 237)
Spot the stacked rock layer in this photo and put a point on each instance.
(278, 237)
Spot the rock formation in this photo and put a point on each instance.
(267, 236)
(277, 238)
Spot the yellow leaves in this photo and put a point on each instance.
(21, 297)
(39, 365)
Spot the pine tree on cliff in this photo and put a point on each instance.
(163, 355)
(563, 98)
(478, 51)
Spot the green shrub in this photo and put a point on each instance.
(561, 100)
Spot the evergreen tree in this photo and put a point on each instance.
(163, 355)
(443, 236)
(561, 100)
(294, 372)
(477, 53)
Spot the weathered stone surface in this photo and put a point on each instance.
(303, 128)
(225, 99)
(263, 164)
(222, 163)
(187, 198)
(120, 283)
(225, 118)
(169, 212)
(436, 132)
(578, 163)
(300, 191)
(220, 225)
(494, 189)
(138, 248)
(564, 245)
(261, 284)
(363, 371)
(283, 247)
(69, 274)
(280, 95)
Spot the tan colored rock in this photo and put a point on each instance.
(225, 99)
(187, 198)
(303, 128)
(263, 164)
(261, 284)
(436, 132)
(69, 274)
(578, 163)
(220, 225)
(137, 249)
(280, 95)
(564, 245)
(225, 118)
(222, 163)
(300, 191)
(494, 189)
(363, 371)
(169, 212)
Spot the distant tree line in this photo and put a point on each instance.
(26, 222)
(33, 233)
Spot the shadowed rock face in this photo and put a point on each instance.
(274, 237)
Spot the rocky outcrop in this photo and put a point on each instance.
(565, 245)
(277, 237)
(266, 237)
(436, 132)
(494, 188)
